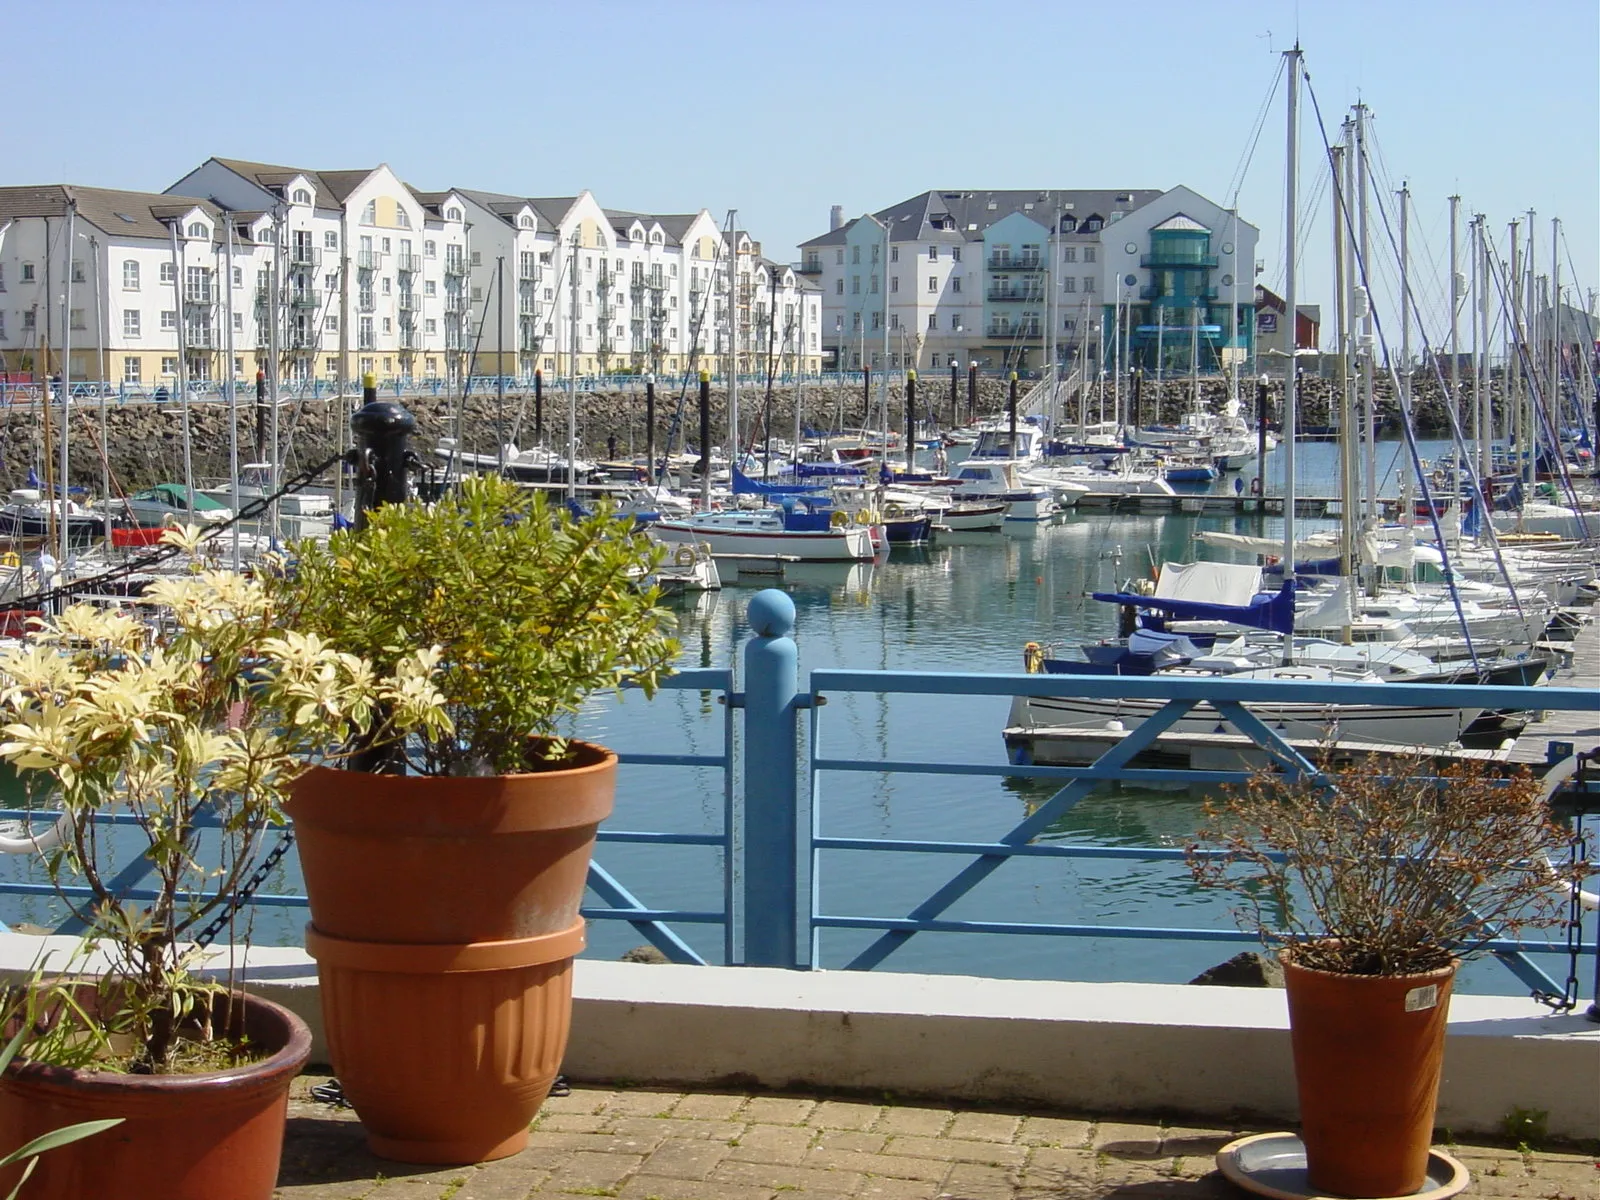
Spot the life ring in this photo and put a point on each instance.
(13, 839)
(1032, 658)
(10, 559)
(683, 556)
(864, 517)
(839, 519)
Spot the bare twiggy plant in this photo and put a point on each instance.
(1388, 868)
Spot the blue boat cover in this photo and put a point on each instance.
(743, 485)
(1264, 612)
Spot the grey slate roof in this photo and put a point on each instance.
(956, 216)
(334, 186)
(130, 214)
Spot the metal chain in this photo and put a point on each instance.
(1568, 999)
(241, 895)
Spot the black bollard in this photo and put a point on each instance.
(1261, 431)
(382, 428)
(538, 408)
(972, 392)
(911, 420)
(955, 384)
(1138, 400)
(705, 426)
(261, 414)
(866, 392)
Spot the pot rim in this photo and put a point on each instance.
(285, 1061)
(603, 758)
(1286, 960)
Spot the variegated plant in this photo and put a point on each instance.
(197, 717)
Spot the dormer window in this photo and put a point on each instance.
(452, 214)
(402, 218)
(369, 214)
(302, 196)
(525, 222)
(655, 239)
(1069, 224)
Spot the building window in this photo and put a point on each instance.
(1069, 254)
(1088, 256)
(388, 325)
(855, 285)
(452, 214)
(27, 272)
(933, 254)
(894, 254)
(387, 285)
(432, 326)
(955, 283)
(955, 253)
(872, 285)
(2, 277)
(402, 218)
(936, 361)
(301, 196)
(238, 277)
(330, 324)
(894, 320)
(1070, 324)
(130, 322)
(168, 272)
(430, 250)
(877, 320)
(894, 283)
(855, 320)
(1088, 283)
(955, 323)
(130, 276)
(933, 323)
(238, 322)
(838, 257)
(75, 318)
(430, 287)
(30, 319)
(169, 366)
(169, 320)
(855, 254)
(369, 214)
(933, 283)
(330, 240)
(838, 287)
(197, 229)
(130, 369)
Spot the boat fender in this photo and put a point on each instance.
(1032, 658)
(684, 556)
(1255, 485)
(839, 519)
(16, 839)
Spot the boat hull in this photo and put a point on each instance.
(849, 544)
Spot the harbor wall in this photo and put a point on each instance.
(145, 440)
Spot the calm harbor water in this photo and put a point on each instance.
(967, 603)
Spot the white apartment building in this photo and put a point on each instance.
(364, 274)
(571, 286)
(128, 284)
(1005, 279)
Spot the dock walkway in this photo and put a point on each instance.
(1581, 670)
(637, 1143)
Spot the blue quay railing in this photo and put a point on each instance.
(779, 861)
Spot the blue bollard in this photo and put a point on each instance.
(771, 774)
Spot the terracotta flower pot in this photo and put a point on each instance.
(1367, 1054)
(185, 1137)
(400, 858)
(447, 1052)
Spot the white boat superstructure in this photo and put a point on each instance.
(770, 533)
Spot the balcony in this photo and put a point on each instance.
(410, 302)
(305, 298)
(366, 340)
(812, 266)
(368, 260)
(455, 267)
(407, 263)
(410, 339)
(1178, 299)
(366, 302)
(1012, 294)
(1016, 262)
(1022, 330)
(1173, 262)
(200, 337)
(455, 303)
(199, 295)
(301, 254)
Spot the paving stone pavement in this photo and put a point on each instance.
(638, 1143)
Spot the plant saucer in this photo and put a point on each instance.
(1274, 1165)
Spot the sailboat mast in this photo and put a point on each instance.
(1481, 381)
(1455, 363)
(66, 378)
(1363, 268)
(1342, 335)
(1406, 511)
(233, 393)
(183, 366)
(1531, 414)
(1291, 181)
(733, 338)
(1553, 327)
(572, 376)
(1513, 319)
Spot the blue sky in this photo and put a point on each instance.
(780, 110)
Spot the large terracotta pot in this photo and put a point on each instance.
(447, 1052)
(444, 918)
(1367, 1054)
(185, 1137)
(403, 858)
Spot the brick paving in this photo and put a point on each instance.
(639, 1143)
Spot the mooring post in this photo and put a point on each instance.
(955, 393)
(538, 407)
(382, 428)
(911, 421)
(771, 812)
(972, 391)
(650, 428)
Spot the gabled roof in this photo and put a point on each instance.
(1179, 223)
(129, 214)
(333, 187)
(952, 216)
(621, 220)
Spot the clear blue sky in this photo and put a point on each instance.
(780, 110)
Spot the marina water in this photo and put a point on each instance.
(969, 602)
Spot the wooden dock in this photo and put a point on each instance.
(1581, 670)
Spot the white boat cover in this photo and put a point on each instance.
(1209, 583)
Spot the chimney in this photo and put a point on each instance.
(836, 217)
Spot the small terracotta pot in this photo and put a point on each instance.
(1367, 1056)
(185, 1137)
(447, 1052)
(413, 859)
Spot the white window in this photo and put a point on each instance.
(955, 253)
(386, 286)
(30, 318)
(1069, 284)
(955, 322)
(130, 322)
(838, 287)
(873, 288)
(955, 283)
(330, 324)
(525, 221)
(130, 369)
(894, 254)
(168, 272)
(169, 366)
(1069, 254)
(385, 245)
(27, 272)
(452, 214)
(477, 258)
(1088, 283)
(330, 239)
(301, 196)
(933, 254)
(894, 321)
(894, 283)
(197, 229)
(933, 283)
(169, 320)
(238, 367)
(430, 250)
(331, 281)
(369, 214)
(430, 325)
(2, 277)
(238, 277)
(838, 257)
(75, 318)
(933, 323)
(402, 218)
(431, 288)
(388, 325)
(1088, 256)
(238, 322)
(130, 275)
(477, 295)
(855, 254)
(855, 320)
